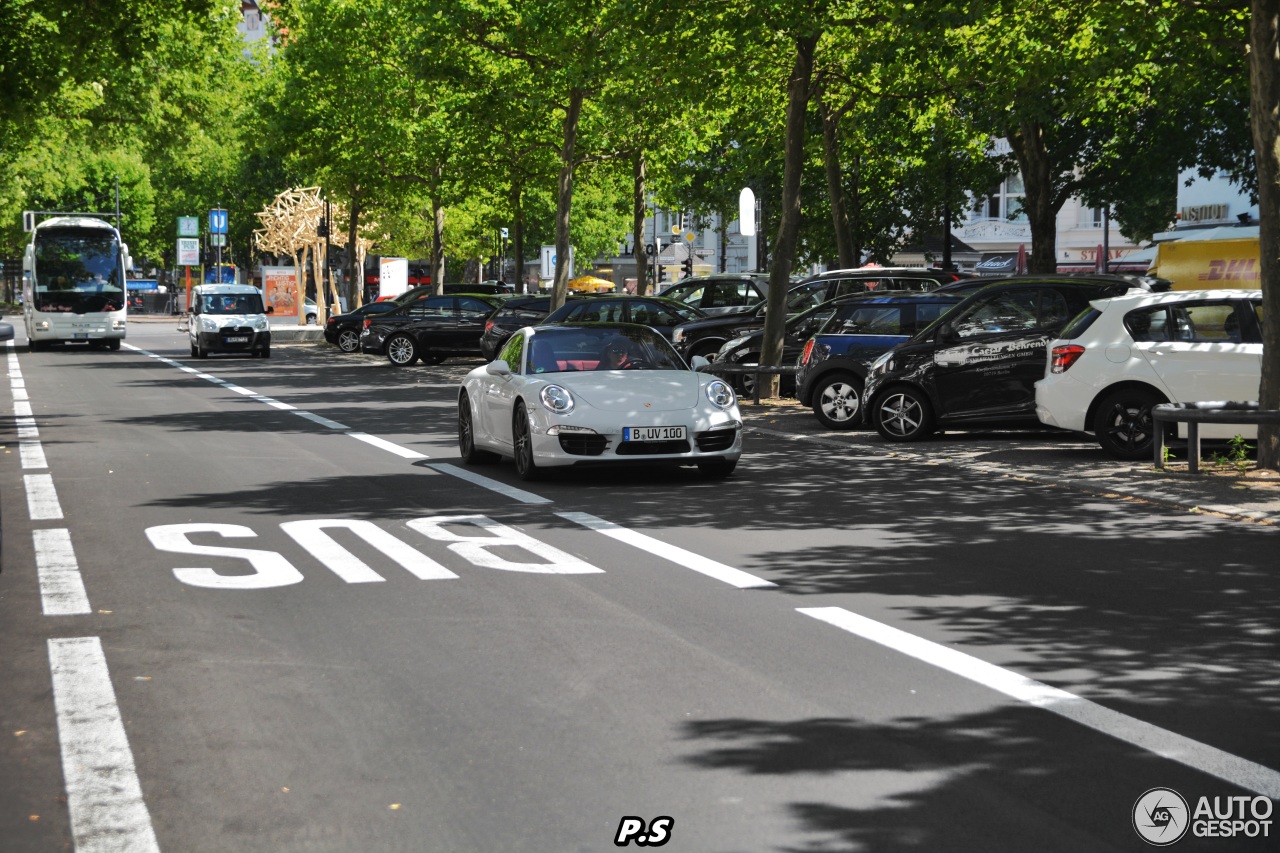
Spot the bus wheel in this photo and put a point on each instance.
(113, 344)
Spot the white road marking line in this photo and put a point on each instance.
(30, 449)
(688, 559)
(390, 447)
(374, 441)
(1198, 756)
(42, 499)
(61, 586)
(492, 485)
(323, 421)
(104, 797)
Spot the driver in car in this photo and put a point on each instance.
(617, 355)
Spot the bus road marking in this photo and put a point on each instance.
(1198, 756)
(688, 559)
(104, 797)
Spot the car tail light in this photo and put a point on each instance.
(488, 326)
(367, 323)
(808, 351)
(1061, 359)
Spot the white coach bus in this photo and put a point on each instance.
(74, 281)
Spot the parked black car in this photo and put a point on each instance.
(978, 364)
(705, 336)
(429, 329)
(658, 313)
(836, 283)
(724, 293)
(834, 362)
(343, 330)
(514, 314)
(746, 348)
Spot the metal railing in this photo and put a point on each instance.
(1194, 414)
(723, 370)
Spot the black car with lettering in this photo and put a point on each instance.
(977, 365)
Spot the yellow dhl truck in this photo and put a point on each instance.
(1229, 261)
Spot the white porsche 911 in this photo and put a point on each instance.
(616, 393)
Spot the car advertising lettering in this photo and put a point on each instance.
(970, 354)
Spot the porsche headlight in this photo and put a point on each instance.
(883, 364)
(556, 399)
(720, 394)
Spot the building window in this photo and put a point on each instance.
(1004, 204)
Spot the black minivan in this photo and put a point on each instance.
(977, 365)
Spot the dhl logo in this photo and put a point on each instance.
(1240, 269)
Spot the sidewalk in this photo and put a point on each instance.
(1051, 458)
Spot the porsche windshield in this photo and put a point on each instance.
(560, 350)
(78, 270)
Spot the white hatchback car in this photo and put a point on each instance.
(1122, 356)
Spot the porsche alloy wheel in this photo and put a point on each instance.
(467, 435)
(522, 438)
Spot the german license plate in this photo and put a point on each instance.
(653, 433)
(80, 336)
(237, 339)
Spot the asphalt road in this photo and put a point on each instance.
(261, 606)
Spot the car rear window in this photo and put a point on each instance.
(1080, 324)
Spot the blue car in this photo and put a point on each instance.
(835, 361)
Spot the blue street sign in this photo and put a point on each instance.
(217, 222)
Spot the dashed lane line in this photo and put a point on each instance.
(1207, 759)
(104, 797)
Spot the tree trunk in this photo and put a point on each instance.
(722, 232)
(638, 210)
(437, 246)
(1027, 143)
(789, 224)
(355, 259)
(517, 233)
(1264, 71)
(564, 198)
(835, 185)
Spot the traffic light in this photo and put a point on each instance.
(662, 274)
(688, 266)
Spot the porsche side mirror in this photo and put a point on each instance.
(497, 367)
(698, 362)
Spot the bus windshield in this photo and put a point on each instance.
(77, 270)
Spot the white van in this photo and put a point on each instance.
(228, 318)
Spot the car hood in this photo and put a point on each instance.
(632, 390)
(221, 320)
